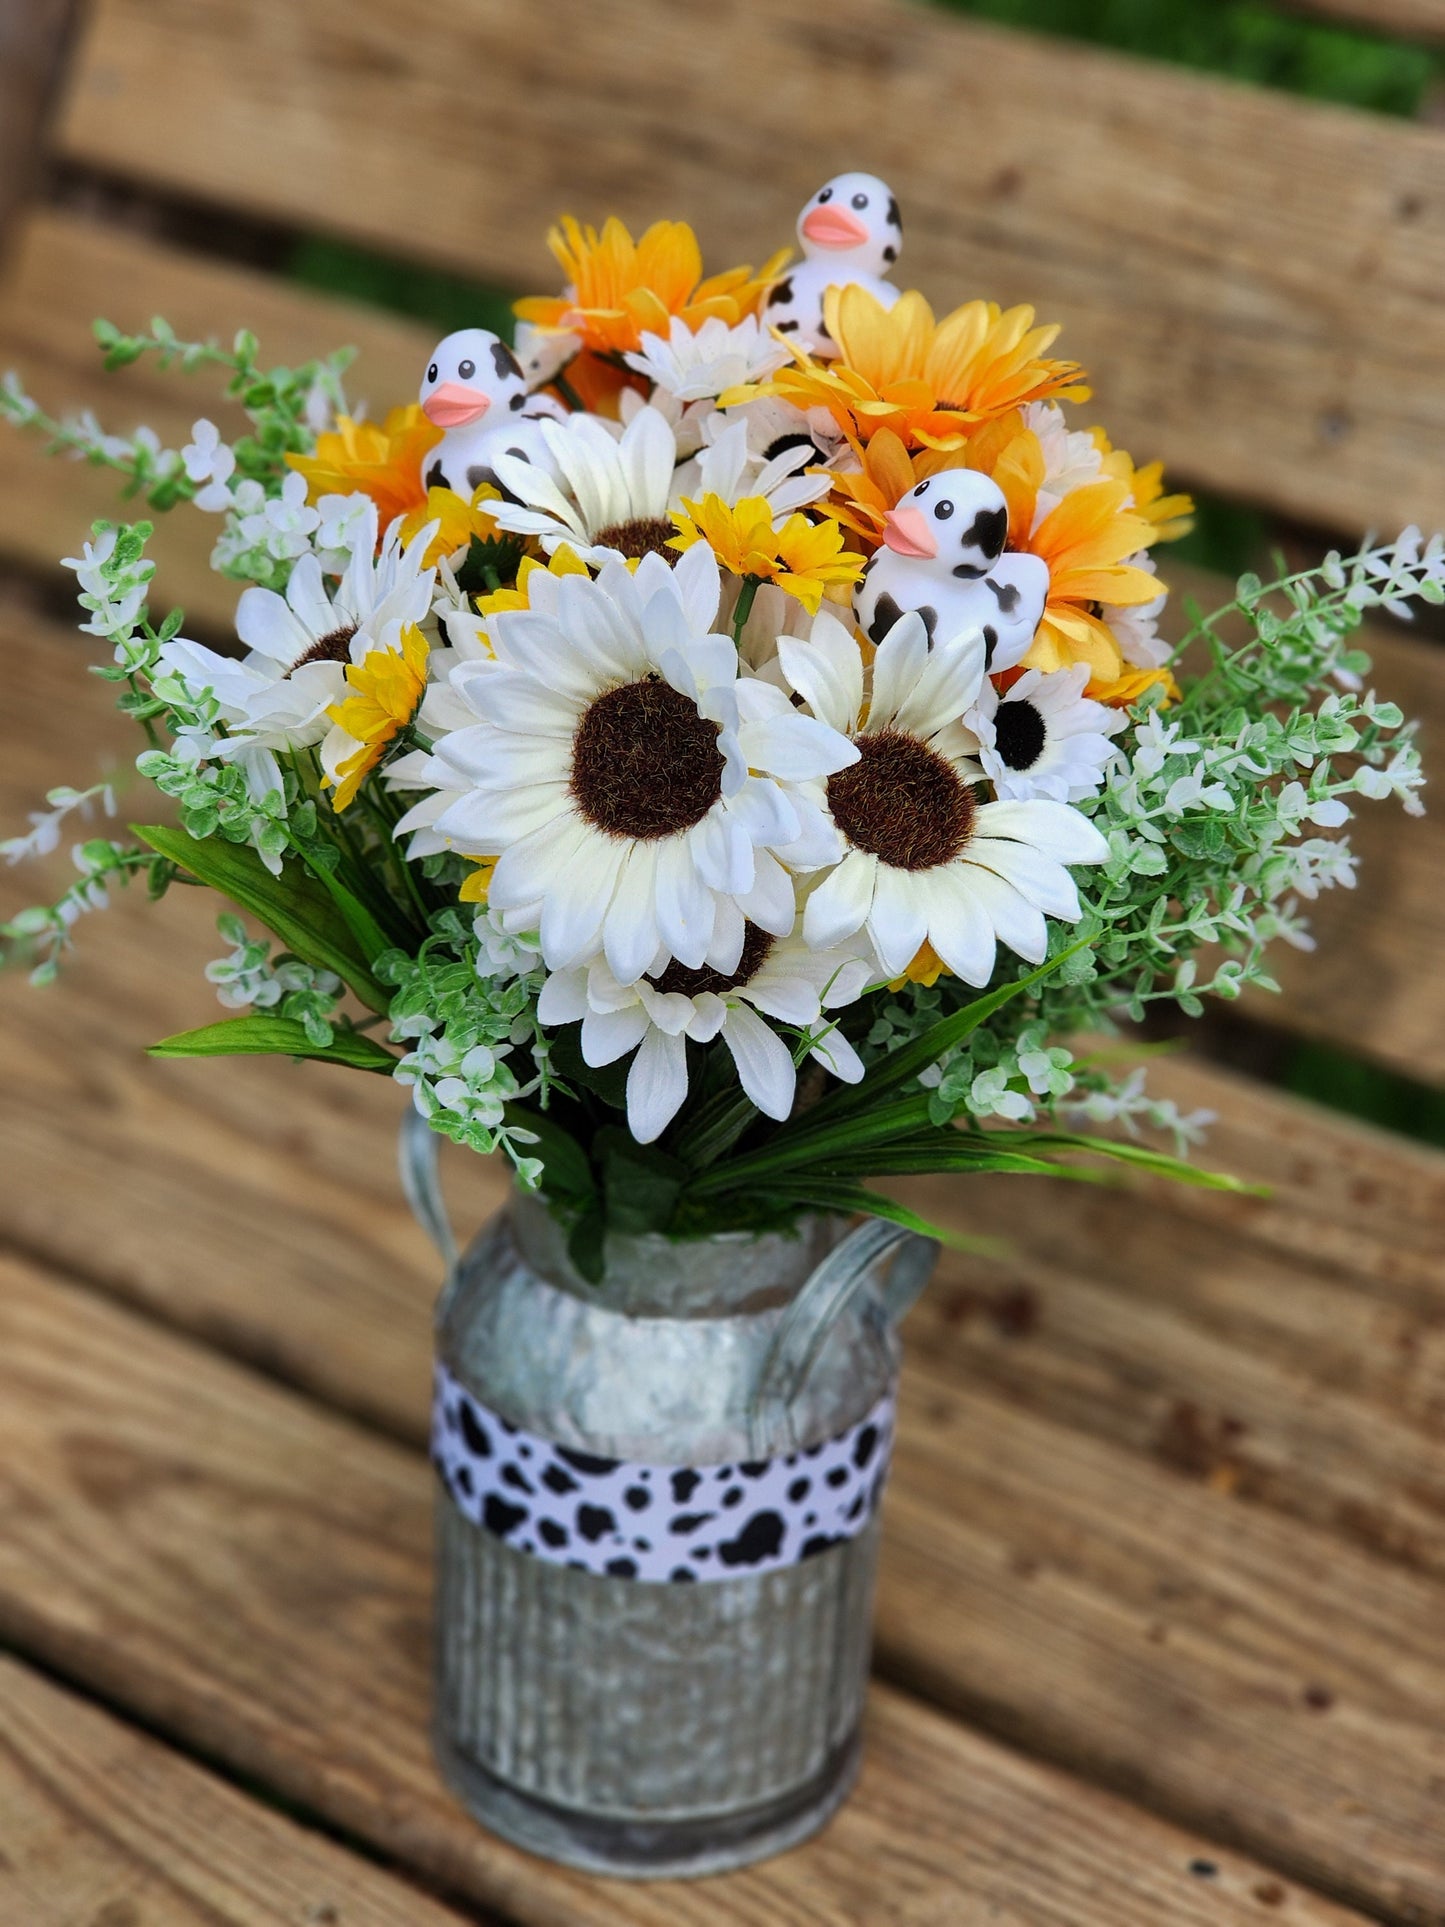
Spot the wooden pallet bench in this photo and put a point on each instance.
(1164, 1570)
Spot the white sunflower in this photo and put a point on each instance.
(781, 977)
(275, 698)
(925, 859)
(1043, 736)
(698, 365)
(632, 787)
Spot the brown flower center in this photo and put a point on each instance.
(902, 802)
(1019, 734)
(757, 947)
(332, 647)
(644, 763)
(645, 535)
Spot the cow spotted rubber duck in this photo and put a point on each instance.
(475, 391)
(850, 231)
(943, 556)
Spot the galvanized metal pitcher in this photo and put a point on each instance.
(657, 1528)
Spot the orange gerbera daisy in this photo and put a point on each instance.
(886, 471)
(933, 383)
(360, 458)
(618, 289)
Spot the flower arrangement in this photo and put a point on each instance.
(719, 750)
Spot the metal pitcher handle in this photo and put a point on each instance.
(416, 1156)
(809, 1321)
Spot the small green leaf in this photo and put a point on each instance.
(641, 1184)
(567, 1173)
(265, 1036)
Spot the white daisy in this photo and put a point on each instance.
(632, 787)
(1043, 736)
(699, 366)
(276, 697)
(780, 976)
(727, 465)
(925, 859)
(1136, 628)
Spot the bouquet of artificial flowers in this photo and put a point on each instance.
(718, 749)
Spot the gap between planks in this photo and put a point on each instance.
(1370, 985)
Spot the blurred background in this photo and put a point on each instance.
(1232, 208)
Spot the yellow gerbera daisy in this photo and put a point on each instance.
(389, 683)
(563, 561)
(804, 558)
(474, 887)
(933, 383)
(619, 289)
(459, 520)
(360, 458)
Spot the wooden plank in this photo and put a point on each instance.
(142, 1496)
(1252, 278)
(1264, 1378)
(101, 1824)
(34, 36)
(69, 270)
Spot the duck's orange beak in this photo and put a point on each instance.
(452, 405)
(833, 227)
(907, 532)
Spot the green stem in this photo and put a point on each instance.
(491, 578)
(746, 596)
(568, 393)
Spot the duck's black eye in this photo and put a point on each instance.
(467, 369)
(922, 489)
(860, 200)
(826, 195)
(431, 373)
(944, 510)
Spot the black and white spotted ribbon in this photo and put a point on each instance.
(627, 1520)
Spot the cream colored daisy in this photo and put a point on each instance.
(698, 364)
(779, 977)
(926, 861)
(632, 787)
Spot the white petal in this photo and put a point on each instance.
(264, 623)
(1017, 922)
(826, 671)
(836, 1054)
(947, 684)
(1045, 884)
(896, 667)
(630, 936)
(656, 1085)
(795, 747)
(610, 1034)
(771, 902)
(577, 901)
(841, 903)
(1055, 828)
(960, 931)
(487, 822)
(564, 998)
(765, 1064)
(898, 921)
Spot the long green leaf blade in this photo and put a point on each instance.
(265, 1036)
(295, 907)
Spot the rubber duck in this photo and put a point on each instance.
(474, 389)
(944, 556)
(850, 231)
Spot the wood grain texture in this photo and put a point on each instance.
(102, 1825)
(1263, 1381)
(251, 1575)
(1371, 983)
(1251, 278)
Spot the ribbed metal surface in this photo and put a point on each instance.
(622, 1725)
(649, 1702)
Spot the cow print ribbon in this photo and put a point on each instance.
(657, 1523)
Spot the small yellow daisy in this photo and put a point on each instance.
(804, 558)
(389, 683)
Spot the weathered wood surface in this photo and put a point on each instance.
(1370, 984)
(102, 1826)
(33, 39)
(1169, 1438)
(1253, 279)
(250, 1575)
